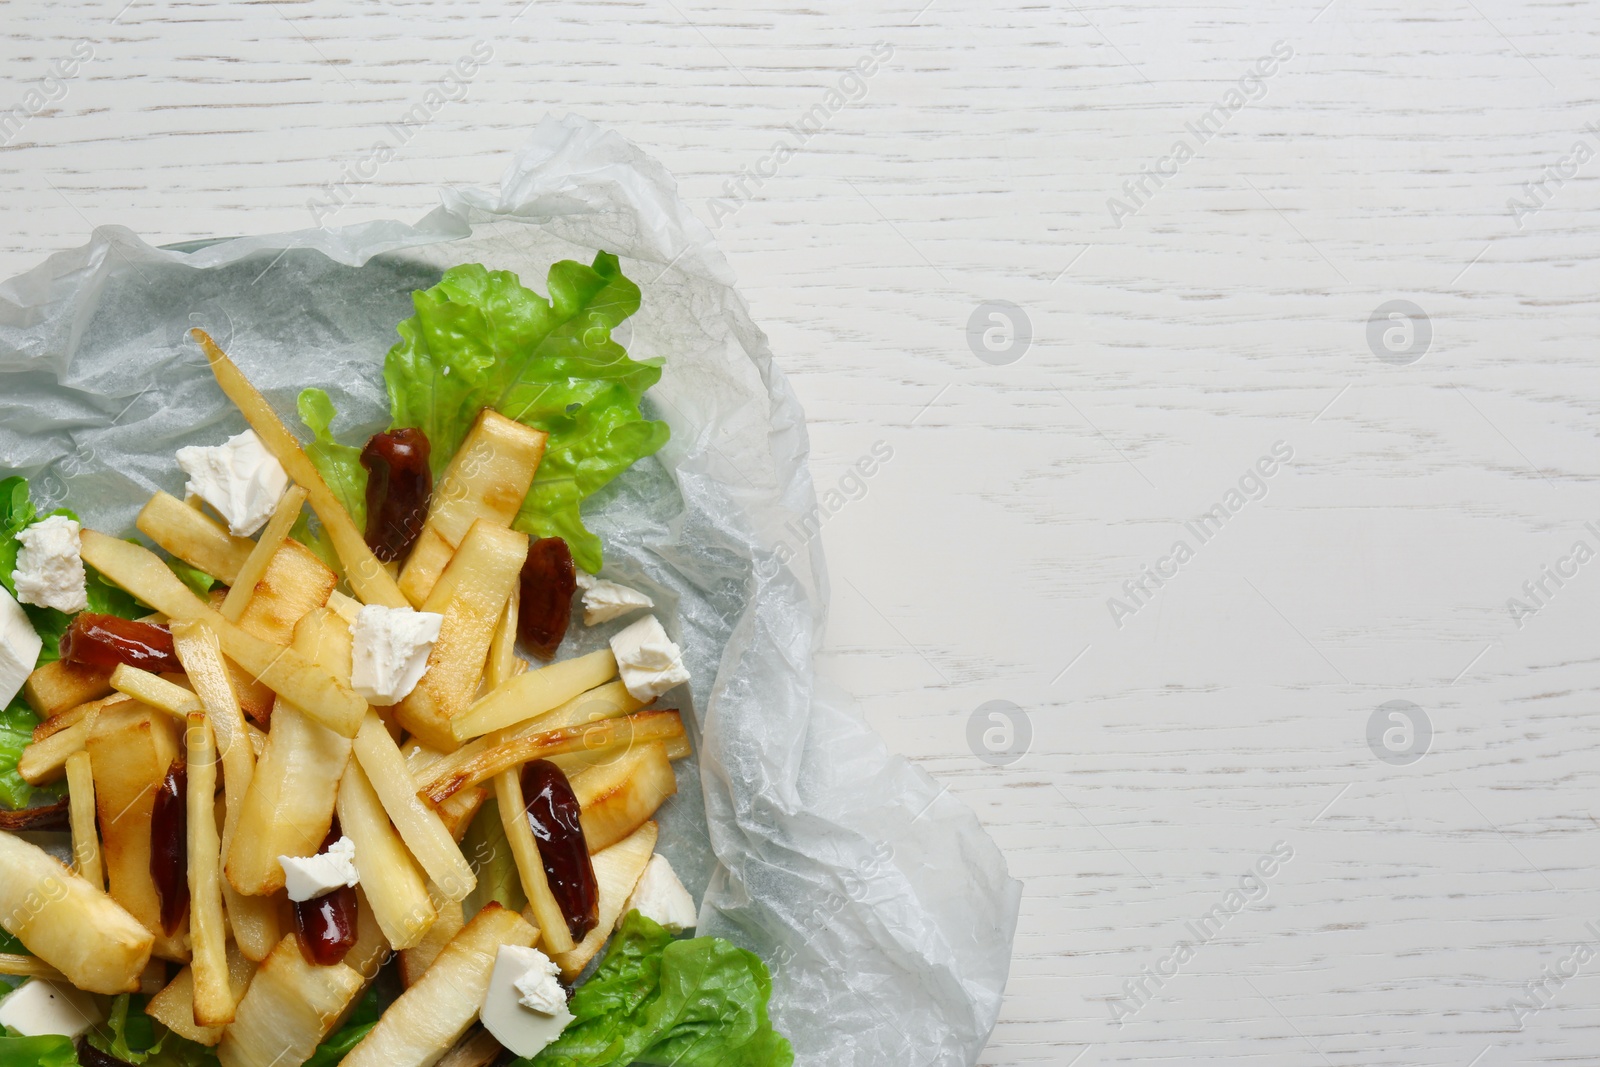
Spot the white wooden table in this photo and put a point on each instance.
(1175, 339)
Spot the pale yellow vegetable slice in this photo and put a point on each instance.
(310, 688)
(267, 546)
(608, 735)
(173, 1007)
(191, 536)
(553, 929)
(457, 812)
(396, 890)
(61, 684)
(45, 760)
(131, 747)
(371, 950)
(617, 870)
(418, 825)
(254, 920)
(18, 966)
(431, 1016)
(80, 811)
(619, 796)
(290, 804)
(415, 961)
(529, 695)
(504, 663)
(368, 577)
(290, 1007)
(68, 923)
(488, 478)
(214, 1001)
(154, 691)
(471, 595)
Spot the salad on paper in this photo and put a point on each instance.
(332, 792)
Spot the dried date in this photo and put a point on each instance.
(106, 641)
(553, 813)
(549, 579)
(399, 490)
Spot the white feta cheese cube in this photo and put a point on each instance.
(648, 661)
(308, 877)
(50, 570)
(391, 651)
(39, 1007)
(20, 646)
(241, 479)
(661, 897)
(605, 600)
(506, 1013)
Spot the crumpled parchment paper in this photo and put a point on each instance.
(884, 909)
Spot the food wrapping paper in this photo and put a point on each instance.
(882, 906)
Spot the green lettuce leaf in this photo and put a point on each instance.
(137, 1039)
(481, 339)
(51, 1050)
(339, 465)
(193, 577)
(16, 733)
(701, 1002)
(486, 848)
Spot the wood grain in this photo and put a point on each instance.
(1229, 313)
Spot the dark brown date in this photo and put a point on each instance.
(548, 581)
(553, 813)
(169, 846)
(327, 924)
(105, 641)
(399, 489)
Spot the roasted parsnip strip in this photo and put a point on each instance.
(214, 1001)
(290, 804)
(415, 961)
(62, 684)
(605, 702)
(174, 1007)
(419, 825)
(457, 812)
(529, 695)
(433, 1015)
(608, 734)
(319, 694)
(254, 920)
(372, 583)
(290, 1007)
(68, 923)
(530, 867)
(28, 967)
(46, 760)
(85, 837)
(193, 537)
(267, 545)
(396, 891)
(504, 663)
(154, 690)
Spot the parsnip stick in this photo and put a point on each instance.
(320, 695)
(530, 867)
(254, 919)
(272, 538)
(46, 760)
(609, 734)
(28, 967)
(371, 581)
(419, 825)
(395, 888)
(154, 690)
(80, 808)
(526, 696)
(190, 535)
(214, 1001)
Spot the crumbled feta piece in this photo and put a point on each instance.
(661, 898)
(392, 646)
(522, 1027)
(49, 570)
(19, 647)
(41, 1007)
(605, 600)
(540, 984)
(241, 479)
(648, 661)
(308, 877)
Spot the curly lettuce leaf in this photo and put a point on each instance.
(135, 1038)
(481, 339)
(196, 579)
(48, 1050)
(657, 1000)
(16, 733)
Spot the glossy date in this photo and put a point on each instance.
(169, 846)
(327, 924)
(553, 813)
(548, 581)
(106, 641)
(399, 490)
